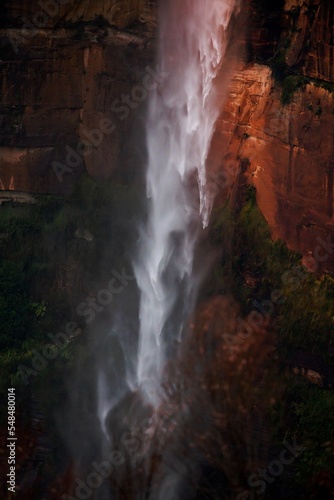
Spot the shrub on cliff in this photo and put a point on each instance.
(290, 85)
(15, 310)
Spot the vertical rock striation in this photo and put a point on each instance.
(279, 116)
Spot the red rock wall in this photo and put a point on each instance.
(50, 13)
(290, 148)
(304, 28)
(314, 38)
(59, 90)
(62, 83)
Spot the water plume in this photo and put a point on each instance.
(181, 119)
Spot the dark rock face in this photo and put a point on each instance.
(68, 100)
(264, 27)
(312, 45)
(303, 28)
(51, 13)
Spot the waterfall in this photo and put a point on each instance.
(181, 119)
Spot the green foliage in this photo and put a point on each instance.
(40, 308)
(289, 78)
(246, 248)
(291, 82)
(290, 85)
(329, 86)
(310, 413)
(10, 360)
(15, 309)
(303, 322)
(305, 319)
(278, 65)
(49, 249)
(223, 225)
(42, 237)
(18, 222)
(40, 240)
(254, 229)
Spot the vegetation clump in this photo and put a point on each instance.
(252, 266)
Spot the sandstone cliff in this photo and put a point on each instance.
(69, 96)
(61, 81)
(279, 116)
(290, 153)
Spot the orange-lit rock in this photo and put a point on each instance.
(78, 79)
(290, 151)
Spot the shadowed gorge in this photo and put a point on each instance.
(166, 249)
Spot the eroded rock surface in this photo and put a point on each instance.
(50, 13)
(290, 153)
(67, 86)
(68, 101)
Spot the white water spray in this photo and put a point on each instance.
(182, 115)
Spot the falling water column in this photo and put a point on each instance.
(182, 116)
